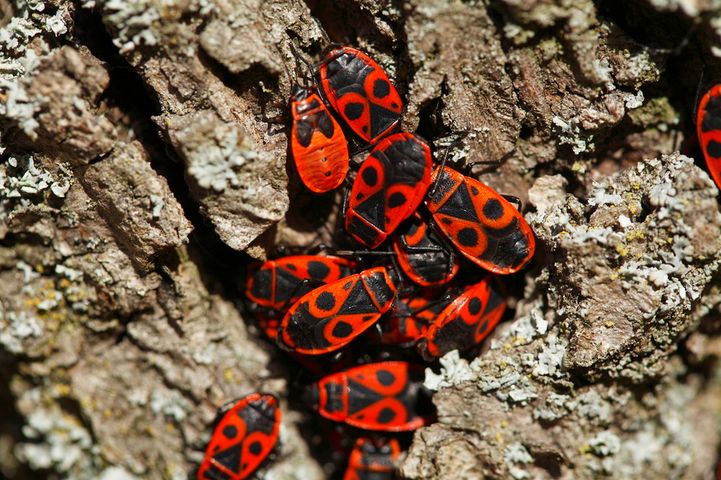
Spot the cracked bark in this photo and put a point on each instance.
(143, 165)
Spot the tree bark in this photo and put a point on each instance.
(144, 164)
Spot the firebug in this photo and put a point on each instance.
(243, 439)
(317, 142)
(484, 226)
(465, 321)
(390, 185)
(329, 317)
(383, 396)
(360, 91)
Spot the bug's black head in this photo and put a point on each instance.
(311, 396)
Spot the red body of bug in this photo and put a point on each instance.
(319, 147)
(390, 185)
(422, 255)
(278, 283)
(332, 315)
(243, 439)
(373, 459)
(377, 396)
(708, 128)
(360, 91)
(483, 225)
(465, 321)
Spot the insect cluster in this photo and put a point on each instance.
(415, 293)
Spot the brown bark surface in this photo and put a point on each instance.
(144, 164)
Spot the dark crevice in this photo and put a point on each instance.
(129, 93)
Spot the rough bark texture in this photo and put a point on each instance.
(143, 164)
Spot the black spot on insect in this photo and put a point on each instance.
(447, 221)
(291, 267)
(714, 148)
(353, 111)
(381, 88)
(368, 318)
(712, 115)
(342, 329)
(370, 176)
(325, 301)
(347, 286)
(468, 237)
(386, 415)
(474, 306)
(385, 377)
(255, 448)
(360, 196)
(318, 270)
(493, 209)
(327, 174)
(365, 129)
(230, 432)
(396, 200)
(474, 190)
(394, 105)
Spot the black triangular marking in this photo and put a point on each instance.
(360, 397)
(381, 119)
(229, 458)
(286, 284)
(373, 209)
(460, 205)
(357, 302)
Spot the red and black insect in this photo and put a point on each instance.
(278, 283)
(465, 321)
(390, 185)
(332, 315)
(708, 127)
(243, 439)
(360, 91)
(485, 227)
(319, 147)
(422, 256)
(373, 459)
(378, 396)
